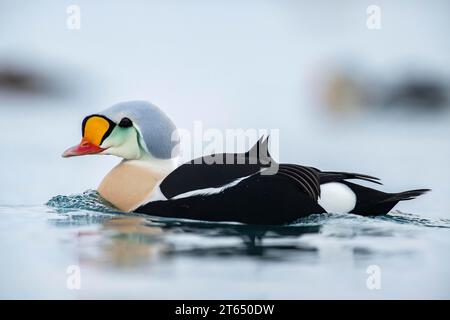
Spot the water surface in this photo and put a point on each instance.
(137, 256)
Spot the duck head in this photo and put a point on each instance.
(132, 130)
(144, 137)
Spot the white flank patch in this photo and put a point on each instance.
(336, 197)
(208, 191)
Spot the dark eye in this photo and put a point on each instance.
(125, 123)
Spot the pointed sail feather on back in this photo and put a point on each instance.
(216, 170)
(260, 151)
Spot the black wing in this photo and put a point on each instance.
(216, 170)
(309, 179)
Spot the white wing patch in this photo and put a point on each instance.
(336, 197)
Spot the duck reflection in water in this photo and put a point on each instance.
(121, 241)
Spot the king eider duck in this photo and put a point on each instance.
(247, 187)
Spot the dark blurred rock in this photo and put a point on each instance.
(429, 94)
(24, 76)
(22, 81)
(347, 90)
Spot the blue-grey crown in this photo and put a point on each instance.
(158, 131)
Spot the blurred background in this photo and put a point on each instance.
(344, 96)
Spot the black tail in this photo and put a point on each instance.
(406, 195)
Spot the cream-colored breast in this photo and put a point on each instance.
(129, 184)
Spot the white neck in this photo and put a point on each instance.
(158, 166)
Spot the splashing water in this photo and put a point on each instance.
(88, 200)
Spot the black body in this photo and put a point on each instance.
(290, 193)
